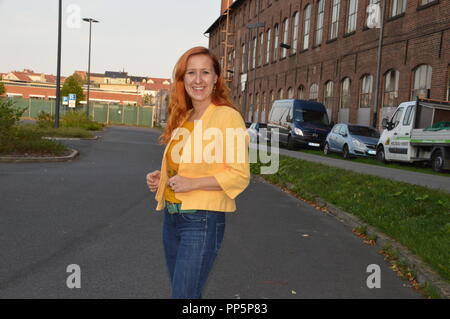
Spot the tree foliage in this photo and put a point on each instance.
(73, 85)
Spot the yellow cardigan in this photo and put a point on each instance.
(233, 176)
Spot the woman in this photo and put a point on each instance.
(200, 175)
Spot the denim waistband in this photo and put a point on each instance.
(174, 208)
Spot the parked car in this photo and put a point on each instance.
(352, 140)
(254, 132)
(419, 131)
(299, 123)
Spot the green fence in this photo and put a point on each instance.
(108, 113)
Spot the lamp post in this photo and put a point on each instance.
(58, 68)
(378, 67)
(90, 20)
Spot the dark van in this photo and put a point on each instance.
(299, 122)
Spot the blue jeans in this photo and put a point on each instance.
(191, 243)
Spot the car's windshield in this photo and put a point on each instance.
(309, 116)
(363, 131)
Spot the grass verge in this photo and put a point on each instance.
(415, 216)
(25, 142)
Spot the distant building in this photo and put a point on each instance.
(108, 87)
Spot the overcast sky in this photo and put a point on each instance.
(144, 37)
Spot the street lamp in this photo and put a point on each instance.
(58, 68)
(90, 20)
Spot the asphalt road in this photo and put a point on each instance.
(96, 212)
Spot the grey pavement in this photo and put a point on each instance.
(97, 212)
(400, 175)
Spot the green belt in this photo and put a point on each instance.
(174, 208)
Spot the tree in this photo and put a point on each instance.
(2, 88)
(73, 85)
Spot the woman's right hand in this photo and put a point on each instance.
(153, 180)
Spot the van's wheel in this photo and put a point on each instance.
(290, 143)
(437, 161)
(381, 157)
(346, 152)
(326, 149)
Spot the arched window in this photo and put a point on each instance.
(319, 21)
(328, 94)
(280, 94)
(275, 42)
(352, 14)
(365, 95)
(314, 92)
(334, 26)
(390, 93)
(296, 19)
(307, 20)
(243, 59)
(421, 81)
(254, 52)
(301, 92)
(268, 46)
(260, 51)
(290, 93)
(285, 36)
(345, 93)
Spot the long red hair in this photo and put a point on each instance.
(180, 102)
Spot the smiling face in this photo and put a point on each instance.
(199, 79)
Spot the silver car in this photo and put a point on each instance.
(352, 140)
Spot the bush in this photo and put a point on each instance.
(45, 120)
(21, 140)
(80, 119)
(9, 117)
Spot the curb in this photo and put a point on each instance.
(42, 159)
(70, 138)
(424, 273)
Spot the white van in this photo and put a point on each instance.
(418, 131)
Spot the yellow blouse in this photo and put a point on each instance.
(172, 167)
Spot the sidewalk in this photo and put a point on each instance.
(427, 180)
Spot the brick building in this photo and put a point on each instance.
(323, 50)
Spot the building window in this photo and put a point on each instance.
(397, 7)
(285, 36)
(352, 14)
(345, 94)
(254, 52)
(290, 93)
(301, 92)
(313, 92)
(365, 96)
(334, 27)
(268, 47)
(306, 25)
(328, 96)
(272, 97)
(390, 94)
(296, 18)
(448, 85)
(280, 94)
(422, 82)
(319, 23)
(275, 43)
(261, 46)
(243, 59)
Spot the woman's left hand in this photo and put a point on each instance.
(180, 184)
